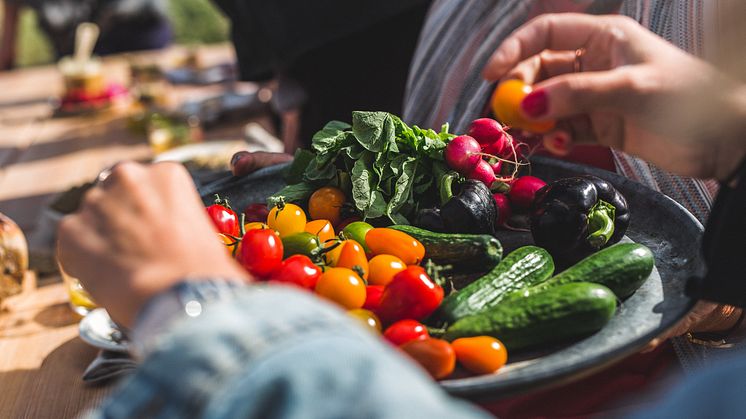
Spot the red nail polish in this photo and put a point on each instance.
(535, 104)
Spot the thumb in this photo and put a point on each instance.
(578, 93)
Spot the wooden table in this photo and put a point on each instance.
(42, 358)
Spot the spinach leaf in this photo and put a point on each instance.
(294, 172)
(330, 138)
(373, 130)
(299, 192)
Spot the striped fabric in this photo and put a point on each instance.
(459, 36)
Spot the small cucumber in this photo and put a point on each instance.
(524, 267)
(554, 315)
(623, 268)
(466, 252)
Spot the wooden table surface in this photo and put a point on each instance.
(42, 358)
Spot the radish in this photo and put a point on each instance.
(503, 208)
(483, 172)
(463, 154)
(496, 167)
(488, 132)
(523, 190)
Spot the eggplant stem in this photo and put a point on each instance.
(601, 224)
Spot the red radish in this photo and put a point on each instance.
(488, 132)
(496, 166)
(523, 189)
(484, 173)
(498, 148)
(503, 208)
(463, 154)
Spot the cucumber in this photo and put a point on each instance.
(622, 268)
(554, 315)
(466, 252)
(524, 267)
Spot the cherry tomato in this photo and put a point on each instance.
(229, 243)
(254, 225)
(352, 256)
(383, 268)
(224, 218)
(404, 331)
(332, 256)
(302, 244)
(298, 270)
(326, 204)
(261, 251)
(256, 212)
(342, 286)
(367, 318)
(506, 105)
(435, 355)
(410, 295)
(287, 219)
(386, 241)
(480, 354)
(321, 228)
(357, 230)
(373, 295)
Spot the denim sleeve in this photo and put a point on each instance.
(274, 352)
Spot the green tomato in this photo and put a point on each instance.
(357, 231)
(302, 244)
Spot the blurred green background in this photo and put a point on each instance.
(194, 21)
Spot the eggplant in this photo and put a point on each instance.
(430, 219)
(471, 210)
(575, 217)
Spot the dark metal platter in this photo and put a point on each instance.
(657, 221)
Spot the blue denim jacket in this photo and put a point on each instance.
(271, 352)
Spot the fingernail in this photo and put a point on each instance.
(535, 104)
(238, 156)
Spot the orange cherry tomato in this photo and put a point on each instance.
(435, 355)
(480, 354)
(342, 286)
(321, 228)
(352, 256)
(367, 318)
(287, 219)
(332, 256)
(229, 243)
(254, 225)
(326, 204)
(383, 268)
(506, 105)
(386, 241)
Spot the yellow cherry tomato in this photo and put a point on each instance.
(383, 268)
(352, 256)
(326, 204)
(506, 105)
(321, 228)
(367, 318)
(480, 354)
(287, 219)
(387, 241)
(254, 225)
(342, 286)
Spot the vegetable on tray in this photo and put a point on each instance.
(554, 315)
(574, 217)
(471, 210)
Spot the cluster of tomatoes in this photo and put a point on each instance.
(373, 273)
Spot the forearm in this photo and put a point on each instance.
(275, 352)
(732, 141)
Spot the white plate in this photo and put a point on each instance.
(97, 329)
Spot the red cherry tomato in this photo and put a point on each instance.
(256, 212)
(435, 355)
(373, 295)
(410, 295)
(224, 218)
(261, 251)
(298, 270)
(404, 331)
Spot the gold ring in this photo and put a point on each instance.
(577, 65)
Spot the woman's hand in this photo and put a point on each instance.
(627, 89)
(704, 317)
(245, 162)
(141, 231)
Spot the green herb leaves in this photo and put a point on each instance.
(391, 166)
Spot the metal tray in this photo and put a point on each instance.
(657, 221)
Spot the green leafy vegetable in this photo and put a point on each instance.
(388, 168)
